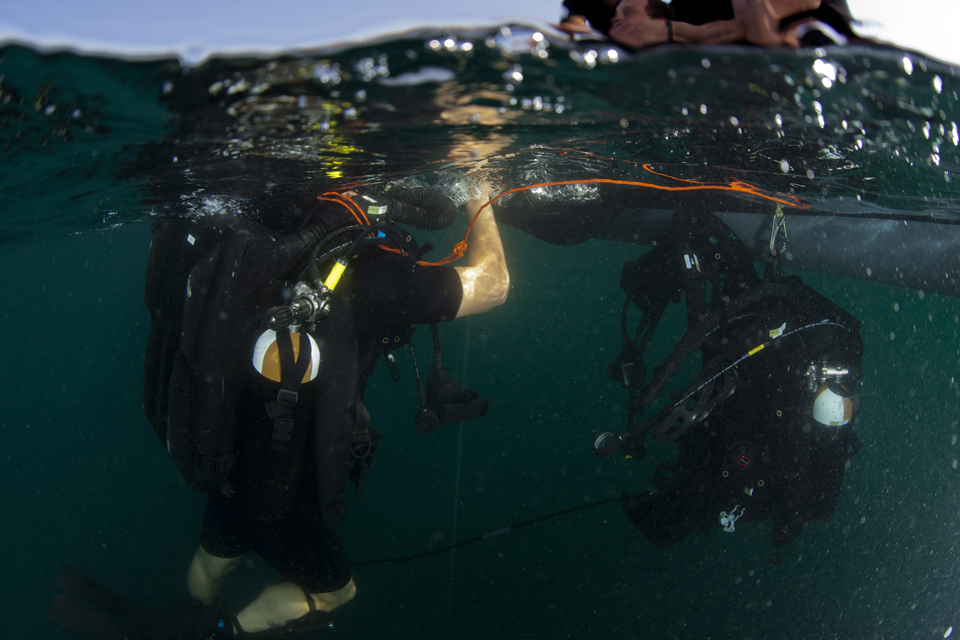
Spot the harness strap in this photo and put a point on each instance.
(292, 370)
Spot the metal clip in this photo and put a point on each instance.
(778, 232)
(728, 520)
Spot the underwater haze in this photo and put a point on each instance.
(95, 148)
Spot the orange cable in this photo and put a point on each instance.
(346, 202)
(461, 247)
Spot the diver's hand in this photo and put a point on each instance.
(577, 25)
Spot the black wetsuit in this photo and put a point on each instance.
(293, 530)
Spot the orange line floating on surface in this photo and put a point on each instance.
(460, 249)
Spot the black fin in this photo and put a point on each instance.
(104, 614)
(84, 622)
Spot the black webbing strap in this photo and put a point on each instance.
(292, 371)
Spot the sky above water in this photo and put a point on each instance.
(196, 28)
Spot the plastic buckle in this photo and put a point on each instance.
(223, 463)
(282, 430)
(287, 397)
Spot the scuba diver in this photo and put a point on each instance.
(763, 430)
(262, 340)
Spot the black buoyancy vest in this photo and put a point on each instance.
(210, 281)
(767, 419)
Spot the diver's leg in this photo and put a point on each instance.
(284, 604)
(206, 574)
(317, 579)
(222, 544)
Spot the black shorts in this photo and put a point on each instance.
(300, 547)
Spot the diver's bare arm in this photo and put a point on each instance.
(484, 275)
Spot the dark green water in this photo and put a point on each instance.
(84, 479)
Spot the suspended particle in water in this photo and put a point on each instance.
(893, 336)
(954, 463)
(624, 123)
(946, 634)
(953, 440)
(896, 306)
(706, 63)
(907, 65)
(734, 121)
(784, 166)
(703, 109)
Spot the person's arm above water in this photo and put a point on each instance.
(634, 27)
(483, 272)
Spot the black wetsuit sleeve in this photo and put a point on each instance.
(390, 290)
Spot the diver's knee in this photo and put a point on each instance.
(213, 566)
(332, 599)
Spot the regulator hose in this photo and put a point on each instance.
(695, 336)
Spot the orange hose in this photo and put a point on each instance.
(692, 185)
